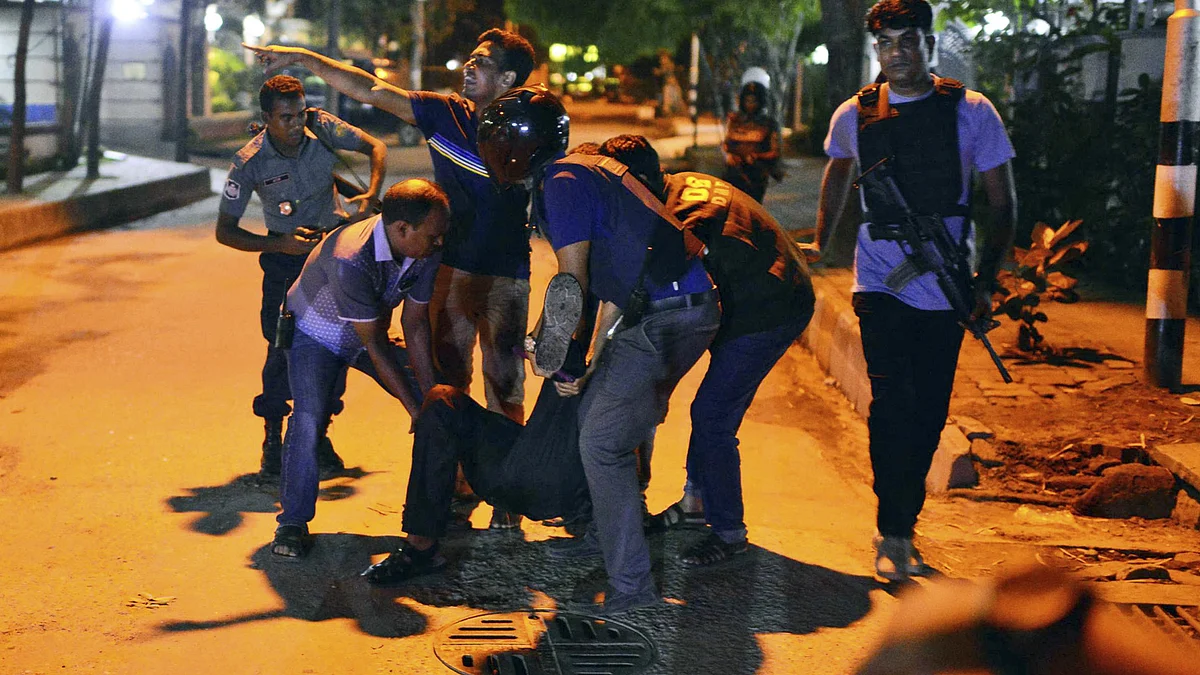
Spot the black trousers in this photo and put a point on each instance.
(453, 429)
(911, 358)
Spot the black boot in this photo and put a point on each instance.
(272, 447)
(329, 464)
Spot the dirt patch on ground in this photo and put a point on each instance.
(1059, 445)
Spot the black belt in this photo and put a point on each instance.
(682, 301)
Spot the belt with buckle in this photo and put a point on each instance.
(682, 301)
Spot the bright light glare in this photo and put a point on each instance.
(253, 27)
(571, 77)
(212, 20)
(1038, 27)
(820, 55)
(591, 55)
(452, 64)
(128, 10)
(558, 52)
(994, 22)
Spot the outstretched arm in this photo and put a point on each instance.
(354, 82)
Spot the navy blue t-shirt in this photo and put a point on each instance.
(487, 230)
(586, 203)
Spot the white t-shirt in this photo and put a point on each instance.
(983, 145)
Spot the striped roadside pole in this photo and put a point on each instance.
(1174, 199)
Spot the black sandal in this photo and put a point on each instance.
(404, 564)
(674, 518)
(712, 551)
(291, 541)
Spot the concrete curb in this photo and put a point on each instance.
(70, 204)
(834, 338)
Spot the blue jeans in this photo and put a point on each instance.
(625, 399)
(279, 271)
(315, 372)
(736, 369)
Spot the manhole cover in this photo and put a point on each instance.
(543, 642)
(1179, 622)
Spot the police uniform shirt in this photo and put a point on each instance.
(295, 191)
(352, 277)
(983, 145)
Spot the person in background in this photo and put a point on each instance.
(752, 142)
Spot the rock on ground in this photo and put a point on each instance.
(1130, 490)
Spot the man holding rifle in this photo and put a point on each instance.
(931, 135)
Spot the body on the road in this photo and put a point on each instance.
(290, 165)
(766, 302)
(343, 302)
(600, 231)
(937, 135)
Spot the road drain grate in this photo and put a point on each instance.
(543, 642)
(1178, 621)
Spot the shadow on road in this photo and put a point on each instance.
(325, 585)
(710, 622)
(223, 506)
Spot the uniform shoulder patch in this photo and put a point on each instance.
(232, 189)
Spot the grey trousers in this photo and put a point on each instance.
(624, 401)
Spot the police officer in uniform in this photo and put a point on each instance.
(290, 165)
(936, 135)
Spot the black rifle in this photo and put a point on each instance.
(927, 248)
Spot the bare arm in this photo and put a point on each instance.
(414, 319)
(354, 82)
(609, 313)
(1001, 195)
(377, 151)
(231, 234)
(1002, 200)
(835, 189)
(375, 338)
(772, 152)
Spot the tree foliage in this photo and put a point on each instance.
(734, 34)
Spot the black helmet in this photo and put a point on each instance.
(520, 132)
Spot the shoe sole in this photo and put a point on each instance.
(560, 316)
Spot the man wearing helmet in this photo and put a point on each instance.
(659, 313)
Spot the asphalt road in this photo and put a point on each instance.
(134, 536)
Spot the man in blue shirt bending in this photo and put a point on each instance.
(659, 313)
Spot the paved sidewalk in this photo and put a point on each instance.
(58, 203)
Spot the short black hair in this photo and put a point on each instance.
(900, 14)
(412, 200)
(516, 54)
(585, 148)
(635, 152)
(279, 88)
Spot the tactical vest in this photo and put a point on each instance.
(921, 140)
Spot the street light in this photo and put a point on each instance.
(558, 52)
(129, 10)
(253, 28)
(212, 20)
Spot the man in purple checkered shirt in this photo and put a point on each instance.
(343, 304)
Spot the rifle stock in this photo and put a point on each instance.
(930, 249)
